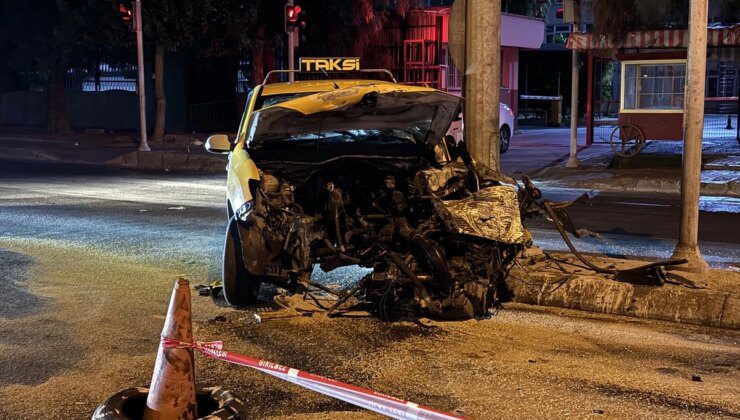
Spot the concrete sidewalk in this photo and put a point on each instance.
(540, 153)
(182, 152)
(656, 169)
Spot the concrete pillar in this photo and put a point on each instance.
(692, 138)
(143, 144)
(573, 157)
(483, 80)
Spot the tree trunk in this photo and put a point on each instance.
(258, 62)
(57, 118)
(160, 100)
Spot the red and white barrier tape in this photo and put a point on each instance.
(365, 398)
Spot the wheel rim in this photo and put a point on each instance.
(505, 139)
(626, 140)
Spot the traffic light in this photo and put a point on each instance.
(126, 11)
(559, 13)
(295, 17)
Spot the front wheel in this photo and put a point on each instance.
(240, 287)
(505, 139)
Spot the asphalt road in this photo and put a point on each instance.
(87, 258)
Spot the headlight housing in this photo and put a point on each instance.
(243, 212)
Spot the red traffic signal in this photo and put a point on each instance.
(294, 17)
(291, 14)
(127, 13)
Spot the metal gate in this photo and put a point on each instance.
(606, 89)
(213, 116)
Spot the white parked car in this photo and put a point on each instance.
(506, 127)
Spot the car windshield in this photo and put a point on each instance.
(349, 136)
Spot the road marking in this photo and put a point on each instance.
(629, 203)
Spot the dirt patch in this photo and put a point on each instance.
(17, 301)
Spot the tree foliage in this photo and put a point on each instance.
(39, 34)
(614, 18)
(206, 27)
(350, 27)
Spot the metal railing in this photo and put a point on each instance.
(213, 116)
(720, 120)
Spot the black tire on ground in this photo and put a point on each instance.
(240, 287)
(505, 139)
(213, 402)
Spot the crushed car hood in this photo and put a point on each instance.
(422, 115)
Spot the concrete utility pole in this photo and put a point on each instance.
(573, 158)
(143, 145)
(483, 80)
(291, 49)
(693, 121)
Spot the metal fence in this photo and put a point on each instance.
(103, 77)
(94, 78)
(720, 120)
(213, 116)
(720, 107)
(244, 76)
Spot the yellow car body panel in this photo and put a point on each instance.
(241, 169)
(321, 95)
(333, 99)
(315, 86)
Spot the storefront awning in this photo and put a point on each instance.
(670, 38)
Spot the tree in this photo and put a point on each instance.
(267, 37)
(208, 28)
(47, 37)
(614, 18)
(349, 27)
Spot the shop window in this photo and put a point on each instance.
(653, 85)
(557, 34)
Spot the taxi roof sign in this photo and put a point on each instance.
(336, 64)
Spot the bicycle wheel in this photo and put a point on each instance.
(627, 140)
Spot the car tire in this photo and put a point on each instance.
(240, 287)
(212, 403)
(505, 139)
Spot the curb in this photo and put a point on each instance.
(667, 303)
(28, 155)
(148, 161)
(169, 161)
(599, 180)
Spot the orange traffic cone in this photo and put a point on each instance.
(172, 392)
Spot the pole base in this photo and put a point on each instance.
(144, 147)
(572, 162)
(696, 263)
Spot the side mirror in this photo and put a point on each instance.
(219, 144)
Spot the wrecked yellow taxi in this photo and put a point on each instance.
(339, 172)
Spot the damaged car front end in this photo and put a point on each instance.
(363, 176)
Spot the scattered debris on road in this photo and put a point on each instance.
(442, 249)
